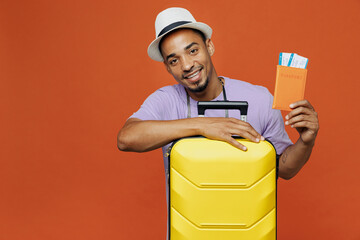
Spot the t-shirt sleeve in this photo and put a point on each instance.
(275, 129)
(152, 108)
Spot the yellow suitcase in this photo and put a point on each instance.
(220, 192)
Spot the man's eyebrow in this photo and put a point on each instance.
(169, 56)
(186, 48)
(190, 45)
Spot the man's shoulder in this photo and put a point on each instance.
(247, 88)
(169, 94)
(170, 90)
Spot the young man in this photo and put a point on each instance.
(185, 48)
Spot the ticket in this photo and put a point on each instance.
(284, 59)
(298, 61)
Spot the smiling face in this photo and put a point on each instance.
(188, 59)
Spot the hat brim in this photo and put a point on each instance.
(153, 49)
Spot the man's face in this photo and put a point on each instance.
(188, 58)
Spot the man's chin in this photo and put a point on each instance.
(199, 88)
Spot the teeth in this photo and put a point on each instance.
(193, 75)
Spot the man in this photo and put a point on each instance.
(185, 48)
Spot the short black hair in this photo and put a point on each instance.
(202, 35)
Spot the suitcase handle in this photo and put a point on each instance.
(240, 105)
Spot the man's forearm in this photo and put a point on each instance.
(142, 136)
(304, 119)
(294, 158)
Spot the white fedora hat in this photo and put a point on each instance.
(169, 20)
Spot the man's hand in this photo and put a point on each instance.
(305, 120)
(224, 128)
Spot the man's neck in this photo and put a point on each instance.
(213, 90)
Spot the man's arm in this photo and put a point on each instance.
(141, 136)
(304, 118)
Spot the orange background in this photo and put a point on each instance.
(72, 72)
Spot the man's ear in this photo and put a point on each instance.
(210, 46)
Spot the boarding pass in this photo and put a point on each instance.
(292, 60)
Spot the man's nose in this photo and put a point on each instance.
(187, 63)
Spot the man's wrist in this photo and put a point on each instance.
(308, 144)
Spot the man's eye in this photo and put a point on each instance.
(173, 61)
(193, 50)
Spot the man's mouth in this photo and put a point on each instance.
(193, 76)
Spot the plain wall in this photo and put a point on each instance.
(72, 72)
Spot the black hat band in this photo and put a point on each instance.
(171, 26)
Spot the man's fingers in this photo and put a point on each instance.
(251, 136)
(245, 130)
(236, 144)
(300, 110)
(300, 118)
(305, 124)
(304, 103)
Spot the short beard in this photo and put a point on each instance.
(200, 88)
